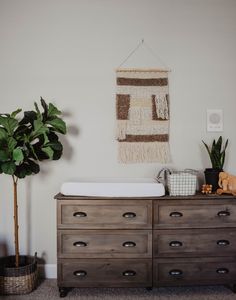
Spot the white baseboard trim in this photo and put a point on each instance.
(47, 270)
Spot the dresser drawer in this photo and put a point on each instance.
(93, 214)
(192, 242)
(104, 243)
(194, 271)
(200, 214)
(105, 273)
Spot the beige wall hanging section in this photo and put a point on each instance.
(142, 112)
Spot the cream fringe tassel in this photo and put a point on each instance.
(144, 152)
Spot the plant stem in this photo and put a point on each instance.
(16, 226)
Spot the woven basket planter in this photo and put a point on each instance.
(21, 280)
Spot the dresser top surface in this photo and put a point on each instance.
(198, 196)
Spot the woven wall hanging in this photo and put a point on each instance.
(142, 111)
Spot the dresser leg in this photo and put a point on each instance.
(233, 288)
(63, 291)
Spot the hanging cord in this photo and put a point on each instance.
(150, 51)
(131, 53)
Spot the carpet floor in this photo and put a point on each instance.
(47, 290)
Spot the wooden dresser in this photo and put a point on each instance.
(152, 242)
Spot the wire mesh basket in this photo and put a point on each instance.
(182, 183)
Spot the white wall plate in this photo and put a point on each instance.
(214, 120)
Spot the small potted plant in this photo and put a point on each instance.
(217, 156)
(24, 142)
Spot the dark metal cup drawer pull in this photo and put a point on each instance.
(222, 271)
(176, 214)
(175, 244)
(129, 215)
(80, 273)
(176, 272)
(223, 242)
(79, 214)
(129, 273)
(223, 213)
(129, 244)
(80, 244)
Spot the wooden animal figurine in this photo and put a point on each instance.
(227, 183)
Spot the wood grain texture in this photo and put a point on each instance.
(178, 241)
(105, 273)
(105, 243)
(105, 214)
(200, 270)
(194, 242)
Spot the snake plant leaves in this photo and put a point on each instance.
(216, 153)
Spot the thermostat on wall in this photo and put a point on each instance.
(214, 120)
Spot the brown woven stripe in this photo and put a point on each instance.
(146, 138)
(142, 82)
(154, 109)
(122, 106)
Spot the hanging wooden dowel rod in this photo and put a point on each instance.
(141, 70)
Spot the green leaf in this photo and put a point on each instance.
(28, 167)
(9, 124)
(39, 116)
(11, 143)
(34, 167)
(52, 110)
(45, 107)
(29, 117)
(21, 131)
(3, 156)
(8, 167)
(58, 125)
(39, 128)
(16, 112)
(55, 145)
(48, 151)
(3, 133)
(18, 155)
(32, 152)
(226, 144)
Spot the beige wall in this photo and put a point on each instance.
(67, 50)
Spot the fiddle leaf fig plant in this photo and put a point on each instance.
(26, 141)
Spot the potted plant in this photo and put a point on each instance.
(24, 142)
(217, 156)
